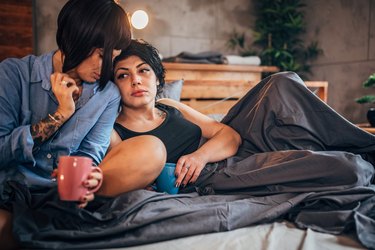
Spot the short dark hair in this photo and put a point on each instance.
(84, 25)
(147, 53)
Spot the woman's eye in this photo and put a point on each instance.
(100, 52)
(144, 70)
(121, 76)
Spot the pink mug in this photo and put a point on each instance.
(72, 171)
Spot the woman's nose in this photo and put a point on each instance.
(135, 81)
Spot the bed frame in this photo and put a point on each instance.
(215, 88)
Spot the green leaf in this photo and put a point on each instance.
(366, 99)
(279, 27)
(369, 82)
(236, 40)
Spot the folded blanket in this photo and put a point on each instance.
(246, 60)
(209, 57)
(213, 57)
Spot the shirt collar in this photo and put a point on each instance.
(42, 70)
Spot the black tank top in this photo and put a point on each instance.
(179, 135)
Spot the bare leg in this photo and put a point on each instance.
(6, 236)
(133, 164)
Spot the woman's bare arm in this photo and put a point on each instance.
(223, 142)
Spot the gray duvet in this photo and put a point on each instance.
(299, 160)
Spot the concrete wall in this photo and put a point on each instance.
(345, 30)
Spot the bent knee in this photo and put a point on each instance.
(132, 164)
(150, 147)
(286, 75)
(286, 80)
(144, 144)
(153, 142)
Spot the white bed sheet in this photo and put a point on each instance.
(275, 236)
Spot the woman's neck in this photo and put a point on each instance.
(146, 113)
(141, 119)
(57, 63)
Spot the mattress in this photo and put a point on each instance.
(273, 236)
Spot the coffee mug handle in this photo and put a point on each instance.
(97, 169)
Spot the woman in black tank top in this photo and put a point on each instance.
(148, 133)
(291, 140)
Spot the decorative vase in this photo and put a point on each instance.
(371, 116)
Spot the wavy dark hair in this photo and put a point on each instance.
(147, 53)
(84, 25)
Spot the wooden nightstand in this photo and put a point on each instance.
(366, 127)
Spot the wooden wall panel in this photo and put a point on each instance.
(16, 28)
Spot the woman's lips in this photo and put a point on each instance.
(138, 93)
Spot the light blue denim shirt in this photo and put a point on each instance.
(26, 98)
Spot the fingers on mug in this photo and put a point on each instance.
(100, 181)
(72, 172)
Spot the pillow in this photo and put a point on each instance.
(172, 90)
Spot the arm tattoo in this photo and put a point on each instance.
(44, 129)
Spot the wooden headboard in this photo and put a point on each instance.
(215, 88)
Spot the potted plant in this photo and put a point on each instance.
(278, 30)
(370, 82)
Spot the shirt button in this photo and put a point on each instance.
(49, 156)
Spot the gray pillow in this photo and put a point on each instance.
(172, 90)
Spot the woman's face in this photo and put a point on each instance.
(136, 80)
(89, 69)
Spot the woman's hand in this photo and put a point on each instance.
(64, 88)
(93, 180)
(188, 168)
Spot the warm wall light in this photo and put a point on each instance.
(139, 19)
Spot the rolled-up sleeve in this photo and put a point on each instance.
(16, 143)
(16, 147)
